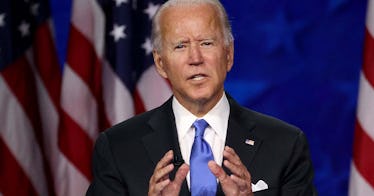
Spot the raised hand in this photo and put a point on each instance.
(239, 182)
(160, 183)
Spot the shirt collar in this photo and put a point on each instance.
(217, 117)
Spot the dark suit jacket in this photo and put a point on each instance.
(126, 154)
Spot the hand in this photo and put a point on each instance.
(239, 182)
(160, 184)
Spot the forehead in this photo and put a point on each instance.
(186, 18)
(185, 8)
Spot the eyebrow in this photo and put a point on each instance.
(207, 39)
(198, 40)
(182, 41)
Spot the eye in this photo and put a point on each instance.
(180, 46)
(207, 43)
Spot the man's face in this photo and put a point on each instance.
(194, 57)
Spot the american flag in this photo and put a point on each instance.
(51, 116)
(362, 171)
(29, 96)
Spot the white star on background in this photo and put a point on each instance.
(24, 28)
(2, 21)
(147, 46)
(119, 2)
(151, 10)
(34, 9)
(118, 32)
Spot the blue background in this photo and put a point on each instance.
(298, 61)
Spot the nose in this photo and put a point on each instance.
(196, 57)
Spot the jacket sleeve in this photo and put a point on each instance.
(106, 178)
(298, 177)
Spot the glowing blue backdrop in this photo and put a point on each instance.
(296, 60)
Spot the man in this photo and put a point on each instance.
(155, 153)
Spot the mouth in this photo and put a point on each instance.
(197, 77)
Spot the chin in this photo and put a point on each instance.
(202, 98)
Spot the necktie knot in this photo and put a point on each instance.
(200, 126)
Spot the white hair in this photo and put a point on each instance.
(225, 24)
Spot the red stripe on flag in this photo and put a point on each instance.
(47, 66)
(368, 66)
(362, 154)
(24, 89)
(13, 180)
(46, 62)
(83, 60)
(138, 103)
(75, 144)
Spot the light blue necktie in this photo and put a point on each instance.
(203, 182)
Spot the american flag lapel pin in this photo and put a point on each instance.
(250, 142)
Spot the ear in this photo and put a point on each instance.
(230, 56)
(159, 64)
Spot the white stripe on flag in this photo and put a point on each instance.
(365, 111)
(71, 181)
(151, 84)
(17, 133)
(89, 19)
(67, 179)
(118, 100)
(79, 103)
(370, 17)
(358, 185)
(49, 119)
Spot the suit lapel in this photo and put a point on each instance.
(239, 134)
(164, 138)
(161, 139)
(243, 142)
(240, 127)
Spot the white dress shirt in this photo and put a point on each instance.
(215, 133)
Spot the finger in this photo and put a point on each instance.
(234, 164)
(229, 187)
(244, 185)
(241, 177)
(159, 180)
(231, 155)
(238, 170)
(165, 160)
(163, 168)
(218, 172)
(181, 174)
(163, 173)
(157, 188)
